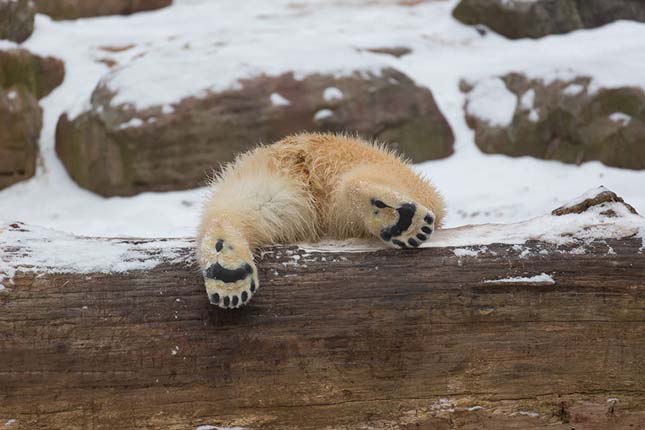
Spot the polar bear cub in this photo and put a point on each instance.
(302, 188)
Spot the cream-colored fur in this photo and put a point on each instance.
(302, 188)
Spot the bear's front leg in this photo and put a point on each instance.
(386, 213)
(394, 218)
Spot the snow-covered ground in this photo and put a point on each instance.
(220, 41)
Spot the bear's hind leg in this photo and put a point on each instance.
(386, 210)
(251, 205)
(230, 275)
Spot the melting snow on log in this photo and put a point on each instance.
(542, 278)
(42, 250)
(38, 249)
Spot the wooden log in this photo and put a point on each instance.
(433, 338)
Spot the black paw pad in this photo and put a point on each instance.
(244, 296)
(406, 214)
(413, 243)
(426, 230)
(218, 272)
(429, 219)
(219, 245)
(227, 301)
(214, 299)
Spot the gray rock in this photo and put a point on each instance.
(73, 9)
(20, 124)
(518, 19)
(16, 19)
(116, 150)
(40, 75)
(566, 120)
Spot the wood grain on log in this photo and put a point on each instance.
(432, 338)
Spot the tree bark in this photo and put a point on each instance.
(415, 339)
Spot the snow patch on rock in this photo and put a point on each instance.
(323, 114)
(278, 100)
(527, 102)
(134, 122)
(573, 89)
(491, 101)
(621, 118)
(332, 94)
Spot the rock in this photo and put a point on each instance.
(537, 18)
(73, 9)
(394, 51)
(40, 75)
(20, 124)
(568, 120)
(117, 150)
(600, 196)
(16, 19)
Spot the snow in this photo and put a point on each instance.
(542, 278)
(8, 44)
(491, 101)
(134, 122)
(527, 103)
(621, 118)
(557, 230)
(45, 250)
(278, 100)
(323, 114)
(526, 413)
(181, 51)
(527, 99)
(469, 252)
(471, 240)
(332, 94)
(533, 115)
(573, 89)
